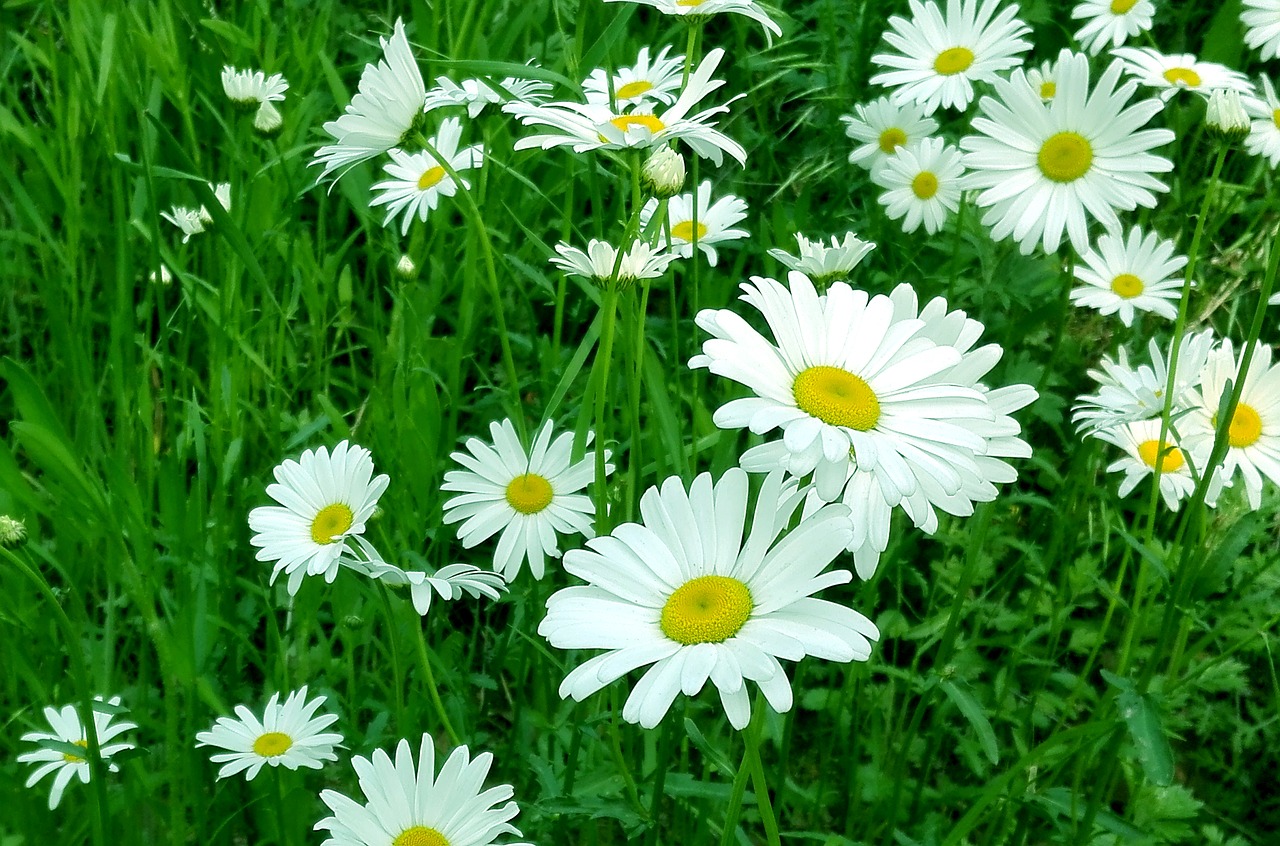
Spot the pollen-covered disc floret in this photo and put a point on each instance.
(825, 263)
(1144, 451)
(922, 184)
(418, 180)
(1122, 275)
(289, 735)
(1174, 72)
(649, 80)
(67, 728)
(1109, 23)
(689, 220)
(881, 128)
(683, 592)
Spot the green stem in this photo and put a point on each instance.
(604, 355)
(739, 788)
(395, 653)
(424, 657)
(751, 759)
(282, 823)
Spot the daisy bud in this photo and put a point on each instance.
(663, 173)
(268, 120)
(12, 532)
(164, 277)
(406, 269)
(1226, 117)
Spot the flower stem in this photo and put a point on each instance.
(751, 759)
(424, 657)
(609, 306)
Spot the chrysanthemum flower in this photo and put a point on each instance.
(530, 497)
(479, 93)
(692, 10)
(325, 500)
(1261, 19)
(386, 108)
(1264, 130)
(1179, 71)
(826, 264)
(882, 128)
(683, 592)
(288, 735)
(407, 804)
(1127, 393)
(1043, 167)
(600, 263)
(419, 181)
(1044, 80)
(654, 80)
(922, 184)
(252, 88)
(713, 224)
(1124, 275)
(1109, 23)
(1144, 451)
(67, 728)
(939, 58)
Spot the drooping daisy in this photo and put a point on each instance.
(1144, 451)
(253, 88)
(288, 735)
(1179, 71)
(693, 10)
(1127, 393)
(683, 592)
(939, 58)
(1045, 167)
(1261, 19)
(826, 264)
(419, 181)
(479, 93)
(1044, 80)
(325, 500)
(1109, 23)
(450, 581)
(67, 728)
(883, 128)
(407, 804)
(657, 81)
(713, 224)
(530, 497)
(387, 108)
(600, 263)
(1264, 130)
(922, 184)
(1124, 275)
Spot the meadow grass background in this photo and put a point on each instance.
(139, 423)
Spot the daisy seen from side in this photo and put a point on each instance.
(418, 180)
(882, 127)
(825, 263)
(450, 583)
(289, 734)
(689, 220)
(479, 93)
(1174, 72)
(601, 264)
(1128, 274)
(1129, 392)
(253, 88)
(922, 184)
(68, 729)
(1110, 23)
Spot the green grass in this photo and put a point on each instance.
(1030, 685)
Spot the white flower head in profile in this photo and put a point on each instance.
(825, 263)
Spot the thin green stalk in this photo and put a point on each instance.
(751, 759)
(282, 823)
(396, 674)
(604, 355)
(1064, 306)
(739, 787)
(619, 760)
(424, 658)
(666, 739)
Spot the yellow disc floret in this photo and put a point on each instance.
(649, 122)
(76, 759)
(925, 185)
(1048, 89)
(1245, 428)
(708, 609)
(953, 60)
(837, 397)
(1171, 460)
(431, 178)
(1065, 157)
(1119, 7)
(1127, 285)
(891, 139)
(633, 89)
(272, 743)
(684, 230)
(332, 521)
(529, 493)
(420, 835)
(1184, 76)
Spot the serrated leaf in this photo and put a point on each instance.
(1145, 730)
(972, 710)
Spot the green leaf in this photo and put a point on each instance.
(1217, 567)
(1142, 717)
(972, 710)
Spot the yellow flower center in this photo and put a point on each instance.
(1065, 157)
(684, 230)
(1119, 7)
(649, 122)
(953, 61)
(529, 493)
(333, 520)
(1127, 285)
(925, 185)
(708, 609)
(420, 835)
(76, 759)
(1184, 76)
(1275, 118)
(891, 139)
(1245, 428)
(1047, 89)
(632, 89)
(1170, 461)
(837, 397)
(688, 4)
(272, 743)
(431, 178)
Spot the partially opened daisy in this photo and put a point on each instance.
(325, 499)
(825, 263)
(883, 127)
(1264, 128)
(418, 180)
(707, 222)
(408, 804)
(1045, 168)
(1144, 451)
(288, 735)
(530, 497)
(1110, 23)
(693, 10)
(1122, 275)
(253, 88)
(386, 109)
(477, 94)
(1128, 392)
(1179, 71)
(601, 264)
(1261, 19)
(939, 57)
(67, 729)
(683, 592)
(655, 80)
(922, 184)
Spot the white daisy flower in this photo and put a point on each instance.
(598, 263)
(67, 728)
(479, 93)
(325, 500)
(692, 10)
(288, 735)
(939, 58)
(922, 184)
(419, 181)
(1109, 23)
(1046, 167)
(713, 224)
(826, 264)
(1264, 130)
(1127, 393)
(883, 127)
(683, 592)
(252, 88)
(1144, 450)
(1179, 71)
(407, 804)
(189, 221)
(657, 81)
(530, 497)
(268, 119)
(595, 126)
(1124, 275)
(1261, 19)
(450, 582)
(1044, 80)
(386, 108)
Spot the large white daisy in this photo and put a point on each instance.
(883, 127)
(710, 223)
(1178, 72)
(683, 592)
(1127, 274)
(1109, 23)
(418, 181)
(922, 184)
(655, 80)
(1264, 130)
(67, 728)
(1261, 19)
(822, 263)
(697, 9)
(1127, 393)
(288, 735)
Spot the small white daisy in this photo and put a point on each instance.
(826, 264)
(1127, 393)
(682, 591)
(479, 93)
(288, 735)
(1123, 275)
(1261, 19)
(450, 582)
(940, 57)
(190, 221)
(1109, 23)
(1264, 130)
(1044, 80)
(600, 263)
(713, 224)
(67, 728)
(1144, 450)
(654, 80)
(922, 184)
(418, 181)
(882, 128)
(407, 804)
(530, 497)
(252, 88)
(1179, 71)
(692, 10)
(325, 500)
